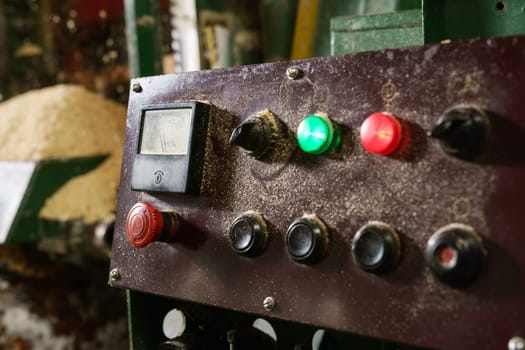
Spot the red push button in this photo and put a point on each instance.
(381, 133)
(145, 224)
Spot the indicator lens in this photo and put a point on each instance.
(166, 132)
(455, 253)
(447, 256)
(317, 134)
(381, 133)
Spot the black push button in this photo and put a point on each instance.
(462, 132)
(307, 239)
(248, 234)
(376, 247)
(455, 254)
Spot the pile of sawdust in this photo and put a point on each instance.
(62, 122)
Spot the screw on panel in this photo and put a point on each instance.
(293, 73)
(269, 304)
(114, 275)
(516, 343)
(137, 87)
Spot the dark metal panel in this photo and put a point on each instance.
(416, 191)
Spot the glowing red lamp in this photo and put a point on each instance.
(381, 133)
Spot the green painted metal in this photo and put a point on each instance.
(144, 37)
(374, 32)
(331, 8)
(277, 22)
(47, 178)
(437, 20)
(464, 19)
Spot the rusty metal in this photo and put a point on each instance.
(417, 190)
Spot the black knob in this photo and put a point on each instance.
(462, 132)
(259, 135)
(307, 239)
(455, 254)
(253, 135)
(248, 234)
(376, 247)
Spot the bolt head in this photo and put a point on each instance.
(136, 87)
(269, 303)
(114, 275)
(516, 343)
(293, 73)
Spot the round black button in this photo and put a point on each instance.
(307, 239)
(376, 247)
(301, 240)
(248, 234)
(455, 254)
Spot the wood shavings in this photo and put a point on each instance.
(61, 122)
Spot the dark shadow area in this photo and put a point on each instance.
(413, 146)
(337, 254)
(411, 265)
(506, 142)
(191, 235)
(500, 277)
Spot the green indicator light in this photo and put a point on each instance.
(316, 135)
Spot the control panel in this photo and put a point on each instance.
(379, 193)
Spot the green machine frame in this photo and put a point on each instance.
(432, 22)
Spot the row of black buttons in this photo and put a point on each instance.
(454, 253)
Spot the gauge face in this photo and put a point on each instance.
(169, 148)
(166, 132)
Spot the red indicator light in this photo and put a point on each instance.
(381, 133)
(447, 256)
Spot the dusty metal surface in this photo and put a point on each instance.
(417, 191)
